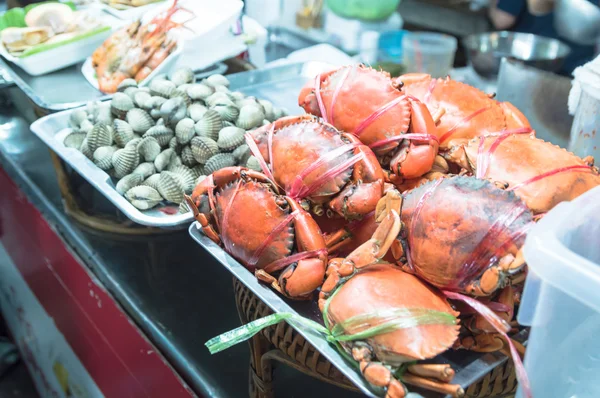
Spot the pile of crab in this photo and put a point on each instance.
(406, 203)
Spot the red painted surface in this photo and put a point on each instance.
(113, 350)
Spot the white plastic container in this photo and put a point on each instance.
(428, 52)
(561, 300)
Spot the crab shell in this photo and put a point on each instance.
(299, 142)
(467, 111)
(519, 158)
(379, 287)
(463, 234)
(247, 209)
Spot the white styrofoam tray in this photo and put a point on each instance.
(68, 54)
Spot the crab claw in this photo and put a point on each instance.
(307, 98)
(416, 157)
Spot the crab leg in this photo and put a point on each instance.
(443, 372)
(299, 280)
(415, 158)
(454, 390)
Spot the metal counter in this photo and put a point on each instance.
(174, 290)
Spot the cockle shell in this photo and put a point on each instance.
(250, 117)
(170, 187)
(248, 101)
(217, 80)
(161, 87)
(209, 125)
(175, 161)
(156, 113)
(228, 113)
(230, 138)
(187, 157)
(76, 117)
(253, 164)
(183, 95)
(104, 114)
(228, 124)
(125, 161)
(145, 169)
(218, 98)
(184, 87)
(222, 89)
(101, 135)
(161, 76)
(156, 102)
(139, 120)
(173, 110)
(85, 127)
(135, 141)
(85, 149)
(196, 111)
(200, 91)
(120, 105)
(278, 113)
(203, 148)
(268, 109)
(183, 76)
(148, 148)
(128, 182)
(219, 161)
(103, 157)
(143, 197)
(236, 96)
(183, 208)
(198, 170)
(163, 160)
(74, 140)
(152, 181)
(91, 108)
(131, 91)
(187, 177)
(123, 133)
(241, 154)
(184, 131)
(265, 122)
(143, 99)
(176, 146)
(162, 134)
(125, 84)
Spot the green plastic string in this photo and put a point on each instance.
(385, 322)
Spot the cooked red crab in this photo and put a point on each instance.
(373, 107)
(312, 161)
(268, 233)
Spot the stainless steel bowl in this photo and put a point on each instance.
(486, 50)
(577, 21)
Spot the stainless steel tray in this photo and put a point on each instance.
(280, 85)
(66, 88)
(469, 366)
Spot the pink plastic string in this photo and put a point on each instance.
(322, 179)
(256, 152)
(400, 137)
(550, 173)
(377, 114)
(320, 98)
(284, 262)
(462, 122)
(484, 161)
(298, 183)
(270, 148)
(211, 198)
(337, 91)
(483, 255)
(271, 237)
(429, 92)
(501, 327)
(227, 242)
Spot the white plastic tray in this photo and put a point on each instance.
(68, 54)
(130, 13)
(279, 85)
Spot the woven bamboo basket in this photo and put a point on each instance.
(282, 343)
